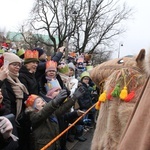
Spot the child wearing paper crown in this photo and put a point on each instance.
(44, 116)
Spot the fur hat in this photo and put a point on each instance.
(11, 57)
(31, 99)
(40, 51)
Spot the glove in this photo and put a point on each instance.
(78, 93)
(5, 127)
(59, 99)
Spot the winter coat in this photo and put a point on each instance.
(44, 129)
(29, 80)
(85, 102)
(40, 71)
(23, 128)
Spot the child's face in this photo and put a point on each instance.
(39, 103)
(86, 80)
(71, 72)
(51, 73)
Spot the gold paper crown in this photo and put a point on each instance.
(51, 64)
(31, 54)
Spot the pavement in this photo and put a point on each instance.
(77, 145)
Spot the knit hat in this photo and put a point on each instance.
(40, 51)
(11, 57)
(31, 56)
(31, 99)
(20, 52)
(84, 74)
(51, 65)
(71, 65)
(50, 92)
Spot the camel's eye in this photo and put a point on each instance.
(120, 61)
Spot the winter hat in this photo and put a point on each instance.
(50, 92)
(11, 57)
(71, 65)
(21, 52)
(31, 99)
(31, 56)
(40, 51)
(84, 74)
(51, 65)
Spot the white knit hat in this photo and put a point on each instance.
(11, 57)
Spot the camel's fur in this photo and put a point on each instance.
(114, 113)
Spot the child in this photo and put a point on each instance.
(44, 116)
(43, 119)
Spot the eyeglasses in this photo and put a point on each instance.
(16, 64)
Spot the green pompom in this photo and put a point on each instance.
(116, 91)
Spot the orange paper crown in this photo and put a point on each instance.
(51, 64)
(30, 100)
(31, 54)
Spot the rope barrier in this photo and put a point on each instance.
(63, 132)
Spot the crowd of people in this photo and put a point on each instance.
(39, 98)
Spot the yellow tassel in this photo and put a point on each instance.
(102, 97)
(123, 93)
(97, 106)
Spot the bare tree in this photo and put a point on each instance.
(85, 25)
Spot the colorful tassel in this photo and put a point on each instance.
(109, 96)
(130, 96)
(116, 91)
(123, 93)
(102, 97)
(97, 106)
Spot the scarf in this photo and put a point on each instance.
(19, 89)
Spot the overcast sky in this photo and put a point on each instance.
(13, 12)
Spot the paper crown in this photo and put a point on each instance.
(63, 68)
(51, 65)
(30, 100)
(31, 56)
(52, 84)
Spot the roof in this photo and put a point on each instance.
(17, 37)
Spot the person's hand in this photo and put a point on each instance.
(59, 99)
(3, 73)
(5, 127)
(61, 49)
(78, 93)
(80, 112)
(1, 96)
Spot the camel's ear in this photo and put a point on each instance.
(140, 58)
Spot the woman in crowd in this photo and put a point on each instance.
(17, 94)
